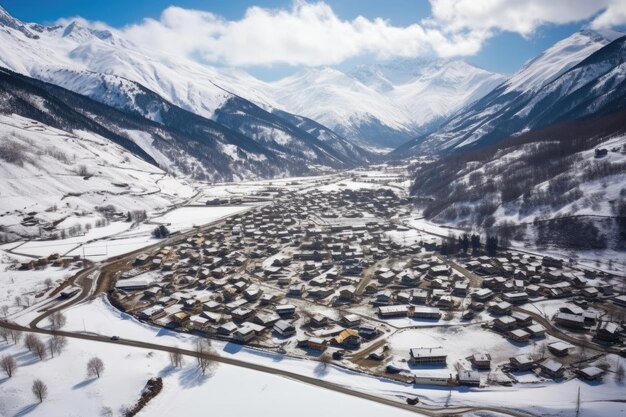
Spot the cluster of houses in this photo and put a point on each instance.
(245, 278)
(254, 278)
(513, 279)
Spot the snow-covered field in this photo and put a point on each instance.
(547, 398)
(187, 217)
(25, 284)
(186, 392)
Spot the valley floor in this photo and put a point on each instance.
(236, 388)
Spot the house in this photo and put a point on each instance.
(296, 290)
(460, 288)
(383, 297)
(419, 296)
(469, 378)
(428, 313)
(569, 320)
(515, 297)
(285, 310)
(152, 313)
(420, 356)
(180, 318)
(500, 308)
(438, 270)
(244, 334)
(522, 319)
(284, 328)
(608, 332)
(319, 320)
(393, 311)
(367, 331)
(200, 323)
(591, 373)
(552, 368)
(504, 323)
(521, 362)
(536, 330)
(445, 302)
(560, 348)
(518, 335)
(226, 329)
(348, 293)
(242, 314)
(430, 378)
(348, 338)
(482, 294)
(317, 343)
(481, 360)
(133, 285)
(351, 320)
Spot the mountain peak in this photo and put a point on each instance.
(82, 33)
(599, 35)
(11, 22)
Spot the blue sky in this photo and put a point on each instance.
(502, 52)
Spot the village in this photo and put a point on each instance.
(336, 274)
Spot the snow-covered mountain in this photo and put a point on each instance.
(183, 143)
(428, 90)
(383, 104)
(104, 66)
(550, 88)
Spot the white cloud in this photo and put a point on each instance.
(312, 34)
(614, 15)
(520, 16)
(306, 34)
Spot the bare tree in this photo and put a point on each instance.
(48, 283)
(57, 320)
(8, 365)
(18, 301)
(56, 344)
(326, 360)
(203, 349)
(4, 334)
(39, 349)
(30, 340)
(5, 310)
(95, 366)
(16, 335)
(40, 390)
(619, 373)
(176, 359)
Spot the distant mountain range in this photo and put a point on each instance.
(246, 139)
(318, 119)
(580, 76)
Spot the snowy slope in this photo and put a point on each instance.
(503, 112)
(546, 185)
(45, 176)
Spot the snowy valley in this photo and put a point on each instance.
(408, 236)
